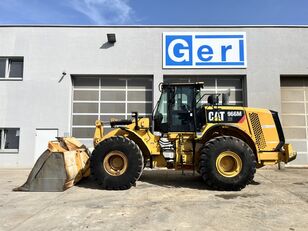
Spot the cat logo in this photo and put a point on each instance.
(216, 116)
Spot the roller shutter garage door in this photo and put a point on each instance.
(294, 112)
(105, 98)
(216, 84)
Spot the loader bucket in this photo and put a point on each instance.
(63, 164)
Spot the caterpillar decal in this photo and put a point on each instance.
(225, 116)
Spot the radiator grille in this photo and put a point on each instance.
(257, 130)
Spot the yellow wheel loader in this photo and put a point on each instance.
(225, 144)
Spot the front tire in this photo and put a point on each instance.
(227, 163)
(116, 163)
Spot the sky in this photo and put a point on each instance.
(155, 12)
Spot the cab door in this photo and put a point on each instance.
(180, 109)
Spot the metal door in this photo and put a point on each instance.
(42, 136)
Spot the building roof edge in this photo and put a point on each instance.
(152, 26)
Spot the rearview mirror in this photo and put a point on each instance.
(213, 100)
(225, 99)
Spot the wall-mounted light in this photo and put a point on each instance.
(62, 77)
(111, 38)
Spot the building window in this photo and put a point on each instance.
(9, 139)
(11, 68)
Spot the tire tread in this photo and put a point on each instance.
(206, 170)
(96, 155)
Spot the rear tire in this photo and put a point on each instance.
(227, 163)
(116, 163)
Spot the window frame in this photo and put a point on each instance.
(2, 143)
(8, 61)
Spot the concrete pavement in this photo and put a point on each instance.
(162, 200)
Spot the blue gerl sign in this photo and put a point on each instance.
(204, 50)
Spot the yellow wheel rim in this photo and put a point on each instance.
(228, 164)
(115, 163)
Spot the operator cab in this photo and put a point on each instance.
(177, 107)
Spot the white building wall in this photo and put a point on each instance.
(41, 101)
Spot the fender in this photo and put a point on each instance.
(145, 140)
(228, 129)
(142, 144)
